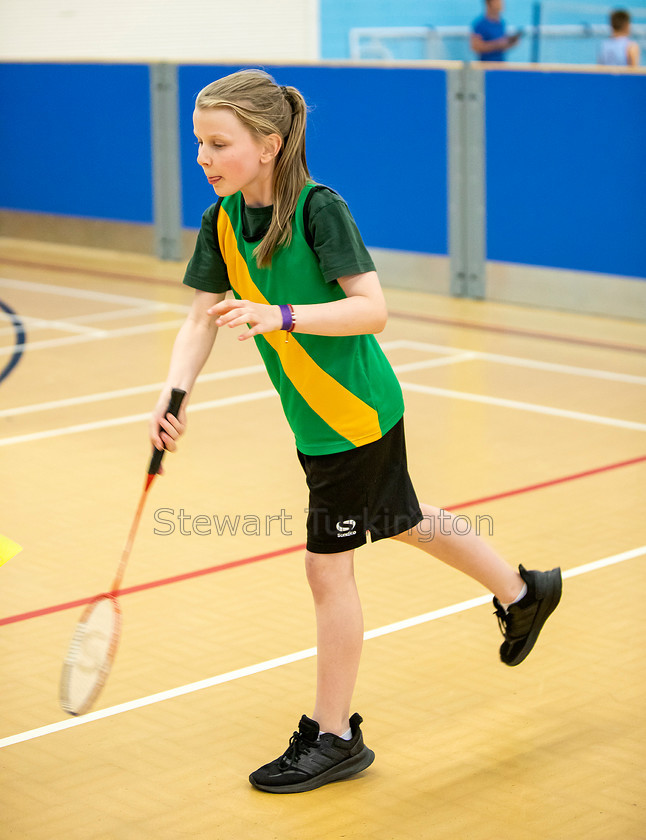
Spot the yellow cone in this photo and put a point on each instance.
(8, 549)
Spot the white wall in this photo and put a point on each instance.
(259, 31)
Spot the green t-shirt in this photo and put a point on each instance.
(337, 392)
(331, 230)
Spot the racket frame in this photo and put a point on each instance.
(74, 649)
(175, 402)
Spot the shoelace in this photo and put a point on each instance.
(503, 619)
(297, 746)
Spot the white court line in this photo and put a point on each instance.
(76, 323)
(61, 326)
(524, 406)
(278, 662)
(117, 314)
(449, 356)
(464, 353)
(133, 418)
(519, 361)
(97, 336)
(233, 373)
(467, 356)
(258, 395)
(87, 294)
(554, 367)
(81, 294)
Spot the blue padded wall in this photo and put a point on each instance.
(75, 140)
(566, 170)
(377, 136)
(564, 160)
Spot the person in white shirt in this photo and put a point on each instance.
(619, 50)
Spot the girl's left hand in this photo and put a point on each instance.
(261, 317)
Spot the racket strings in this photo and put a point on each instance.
(90, 655)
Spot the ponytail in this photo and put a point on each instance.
(290, 176)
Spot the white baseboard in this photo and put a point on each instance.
(548, 288)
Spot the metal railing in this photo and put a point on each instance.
(372, 42)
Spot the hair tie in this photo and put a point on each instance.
(283, 90)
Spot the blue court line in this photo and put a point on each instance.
(21, 340)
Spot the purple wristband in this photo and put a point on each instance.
(286, 312)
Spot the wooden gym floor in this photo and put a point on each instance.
(528, 421)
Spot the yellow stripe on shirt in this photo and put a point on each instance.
(342, 410)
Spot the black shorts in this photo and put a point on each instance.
(362, 490)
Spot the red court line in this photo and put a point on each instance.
(551, 483)
(409, 316)
(153, 584)
(471, 325)
(96, 272)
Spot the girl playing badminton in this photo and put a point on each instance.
(306, 289)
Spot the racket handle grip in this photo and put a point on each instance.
(176, 398)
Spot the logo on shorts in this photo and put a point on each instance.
(347, 528)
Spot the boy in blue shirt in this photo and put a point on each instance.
(488, 38)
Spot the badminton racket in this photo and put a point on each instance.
(94, 643)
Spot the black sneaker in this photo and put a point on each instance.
(521, 624)
(310, 761)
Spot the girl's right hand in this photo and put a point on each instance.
(165, 430)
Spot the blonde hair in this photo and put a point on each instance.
(266, 108)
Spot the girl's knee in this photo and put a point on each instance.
(327, 571)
